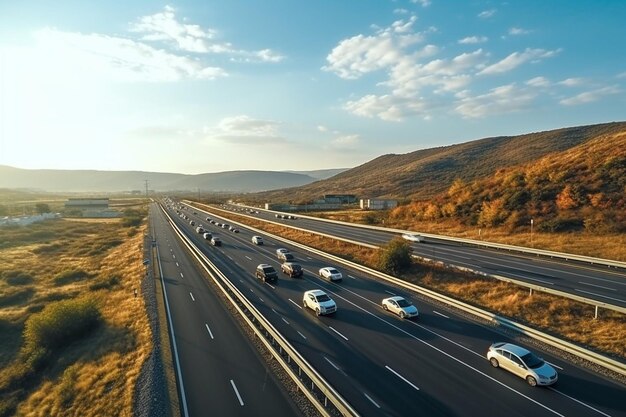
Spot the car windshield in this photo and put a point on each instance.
(403, 303)
(322, 298)
(532, 361)
(268, 270)
(333, 271)
(296, 267)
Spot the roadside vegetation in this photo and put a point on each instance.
(565, 318)
(74, 336)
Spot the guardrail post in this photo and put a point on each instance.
(595, 316)
(531, 292)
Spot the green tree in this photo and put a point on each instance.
(395, 257)
(42, 208)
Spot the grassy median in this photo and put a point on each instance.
(74, 336)
(562, 317)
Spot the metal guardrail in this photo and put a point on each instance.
(593, 357)
(275, 343)
(532, 287)
(472, 242)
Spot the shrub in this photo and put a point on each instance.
(69, 276)
(107, 283)
(17, 277)
(60, 323)
(395, 256)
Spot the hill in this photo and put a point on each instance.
(426, 173)
(582, 188)
(114, 181)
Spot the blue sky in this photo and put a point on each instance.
(209, 86)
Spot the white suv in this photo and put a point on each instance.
(319, 301)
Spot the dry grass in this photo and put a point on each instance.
(96, 375)
(612, 246)
(559, 316)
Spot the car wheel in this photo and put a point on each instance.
(385, 307)
(317, 311)
(531, 381)
(494, 362)
(402, 315)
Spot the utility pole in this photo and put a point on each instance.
(146, 182)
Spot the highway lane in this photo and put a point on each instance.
(222, 373)
(385, 366)
(595, 282)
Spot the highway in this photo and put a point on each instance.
(385, 366)
(222, 374)
(606, 285)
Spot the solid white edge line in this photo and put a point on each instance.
(599, 295)
(371, 400)
(191, 295)
(331, 328)
(440, 314)
(597, 286)
(402, 378)
(209, 330)
(236, 392)
(579, 402)
(296, 304)
(171, 326)
(443, 352)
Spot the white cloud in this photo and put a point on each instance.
(518, 31)
(247, 126)
(164, 27)
(538, 82)
(486, 14)
(400, 11)
(516, 59)
(322, 128)
(118, 58)
(590, 96)
(423, 3)
(387, 107)
(621, 75)
(473, 40)
(572, 82)
(346, 142)
(504, 99)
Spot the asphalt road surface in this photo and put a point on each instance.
(222, 374)
(386, 366)
(596, 282)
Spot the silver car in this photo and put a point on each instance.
(400, 306)
(522, 363)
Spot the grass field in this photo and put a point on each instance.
(559, 316)
(49, 271)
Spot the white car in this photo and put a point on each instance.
(281, 250)
(413, 237)
(319, 301)
(257, 240)
(400, 306)
(330, 274)
(522, 363)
